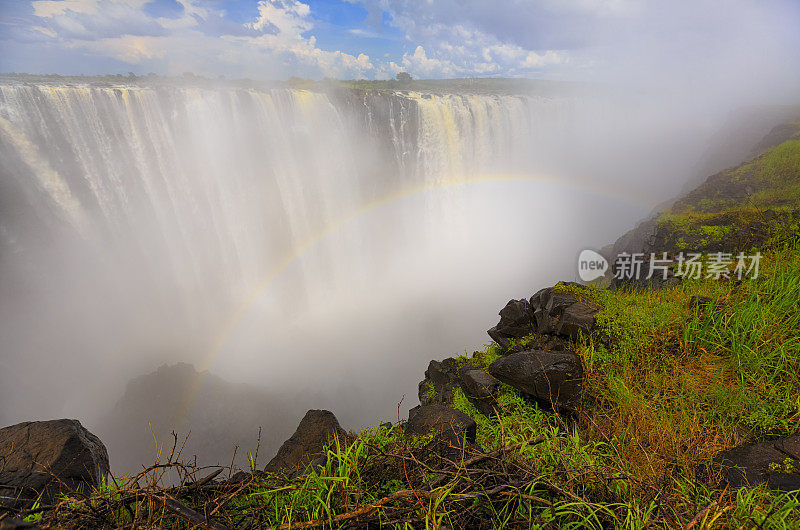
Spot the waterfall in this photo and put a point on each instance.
(219, 183)
(165, 222)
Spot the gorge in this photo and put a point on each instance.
(313, 244)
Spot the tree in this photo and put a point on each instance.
(404, 78)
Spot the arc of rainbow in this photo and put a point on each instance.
(300, 250)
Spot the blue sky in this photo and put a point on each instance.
(274, 39)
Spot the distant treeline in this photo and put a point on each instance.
(403, 82)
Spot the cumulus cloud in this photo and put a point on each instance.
(199, 37)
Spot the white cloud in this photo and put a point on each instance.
(289, 17)
(422, 65)
(273, 44)
(462, 51)
(53, 8)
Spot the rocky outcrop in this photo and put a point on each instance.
(316, 429)
(47, 458)
(576, 320)
(775, 463)
(451, 425)
(441, 380)
(516, 321)
(480, 388)
(545, 321)
(537, 338)
(554, 377)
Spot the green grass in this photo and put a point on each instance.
(769, 181)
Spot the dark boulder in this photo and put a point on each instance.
(562, 314)
(552, 376)
(499, 338)
(700, 302)
(547, 314)
(452, 425)
(576, 319)
(542, 342)
(775, 463)
(12, 523)
(705, 304)
(480, 387)
(516, 321)
(555, 303)
(441, 380)
(48, 458)
(316, 429)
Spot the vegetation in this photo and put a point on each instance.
(739, 208)
(403, 82)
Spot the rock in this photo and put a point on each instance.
(556, 303)
(315, 430)
(480, 387)
(499, 338)
(542, 342)
(452, 424)
(305, 469)
(12, 523)
(516, 321)
(48, 458)
(562, 314)
(238, 477)
(544, 322)
(575, 320)
(775, 463)
(704, 303)
(700, 302)
(536, 300)
(441, 380)
(552, 376)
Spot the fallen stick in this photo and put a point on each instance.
(204, 480)
(181, 510)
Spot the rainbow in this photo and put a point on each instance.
(300, 250)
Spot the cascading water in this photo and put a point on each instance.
(228, 181)
(281, 237)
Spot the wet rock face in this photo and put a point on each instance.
(306, 444)
(551, 315)
(480, 387)
(554, 377)
(441, 380)
(775, 463)
(516, 321)
(577, 319)
(451, 424)
(48, 458)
